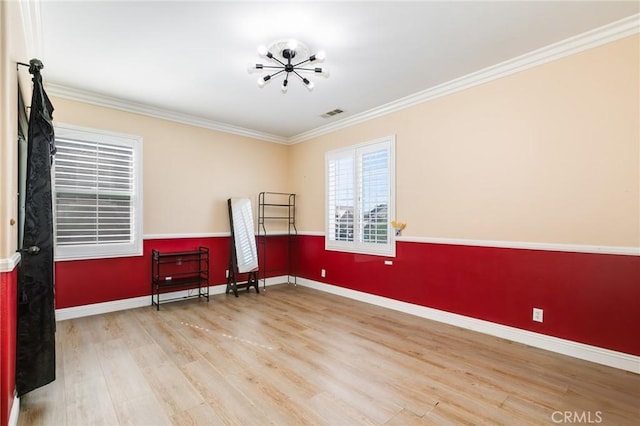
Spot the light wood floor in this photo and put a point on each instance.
(293, 355)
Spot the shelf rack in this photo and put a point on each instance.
(182, 270)
(278, 208)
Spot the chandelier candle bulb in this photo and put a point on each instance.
(263, 80)
(252, 68)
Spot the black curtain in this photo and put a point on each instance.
(35, 339)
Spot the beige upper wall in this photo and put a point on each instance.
(189, 172)
(547, 155)
(12, 50)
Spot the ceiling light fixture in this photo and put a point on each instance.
(285, 52)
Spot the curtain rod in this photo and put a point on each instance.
(35, 65)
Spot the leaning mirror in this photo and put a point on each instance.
(242, 234)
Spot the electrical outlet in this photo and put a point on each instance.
(323, 273)
(226, 273)
(388, 262)
(537, 314)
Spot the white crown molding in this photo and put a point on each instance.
(588, 40)
(32, 26)
(8, 265)
(142, 109)
(578, 350)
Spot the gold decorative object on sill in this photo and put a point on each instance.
(398, 226)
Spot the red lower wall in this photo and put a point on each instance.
(84, 282)
(587, 298)
(8, 308)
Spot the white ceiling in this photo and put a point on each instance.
(191, 57)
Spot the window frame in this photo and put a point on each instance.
(355, 246)
(101, 251)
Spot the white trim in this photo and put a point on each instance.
(138, 302)
(581, 42)
(526, 245)
(312, 233)
(101, 251)
(8, 265)
(164, 114)
(355, 154)
(595, 354)
(32, 27)
(218, 235)
(194, 235)
(574, 248)
(15, 411)
(577, 248)
(278, 233)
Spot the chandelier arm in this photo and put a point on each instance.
(301, 62)
(277, 67)
(276, 73)
(308, 69)
(299, 76)
(273, 58)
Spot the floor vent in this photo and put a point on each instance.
(330, 114)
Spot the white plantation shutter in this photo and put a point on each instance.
(360, 186)
(374, 193)
(341, 192)
(97, 194)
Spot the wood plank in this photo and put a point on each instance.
(89, 402)
(172, 388)
(145, 409)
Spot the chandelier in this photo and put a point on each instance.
(282, 55)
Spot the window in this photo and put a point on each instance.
(360, 190)
(97, 190)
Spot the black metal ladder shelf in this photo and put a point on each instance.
(183, 270)
(274, 209)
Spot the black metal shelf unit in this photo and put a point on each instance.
(275, 210)
(184, 270)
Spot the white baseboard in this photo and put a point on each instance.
(15, 412)
(595, 354)
(138, 302)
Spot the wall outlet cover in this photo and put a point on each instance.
(537, 314)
